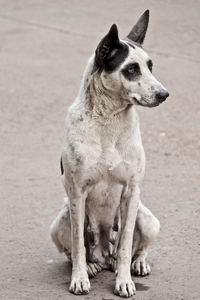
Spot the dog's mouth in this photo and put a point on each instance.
(159, 97)
(145, 103)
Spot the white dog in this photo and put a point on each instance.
(104, 225)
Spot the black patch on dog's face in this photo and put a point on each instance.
(131, 71)
(111, 52)
(115, 60)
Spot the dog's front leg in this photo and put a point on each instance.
(79, 282)
(125, 287)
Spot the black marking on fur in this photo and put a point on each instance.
(89, 181)
(111, 52)
(116, 225)
(150, 65)
(71, 148)
(117, 59)
(61, 166)
(111, 63)
(131, 71)
(78, 161)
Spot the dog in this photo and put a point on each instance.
(104, 224)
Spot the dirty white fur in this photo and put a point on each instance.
(104, 224)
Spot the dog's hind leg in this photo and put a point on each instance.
(60, 231)
(147, 228)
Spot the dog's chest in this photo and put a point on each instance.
(114, 165)
(109, 152)
(110, 173)
(116, 157)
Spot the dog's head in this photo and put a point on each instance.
(126, 69)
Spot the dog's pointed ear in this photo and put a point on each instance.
(109, 43)
(138, 32)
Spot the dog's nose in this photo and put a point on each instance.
(162, 95)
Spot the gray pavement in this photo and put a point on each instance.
(43, 51)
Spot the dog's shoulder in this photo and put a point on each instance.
(79, 132)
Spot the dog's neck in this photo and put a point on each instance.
(103, 103)
(106, 104)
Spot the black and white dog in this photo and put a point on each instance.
(104, 225)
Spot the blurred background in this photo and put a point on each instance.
(44, 48)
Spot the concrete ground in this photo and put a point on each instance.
(43, 51)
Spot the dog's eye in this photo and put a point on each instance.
(131, 69)
(150, 65)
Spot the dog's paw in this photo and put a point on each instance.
(80, 284)
(124, 287)
(93, 269)
(140, 267)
